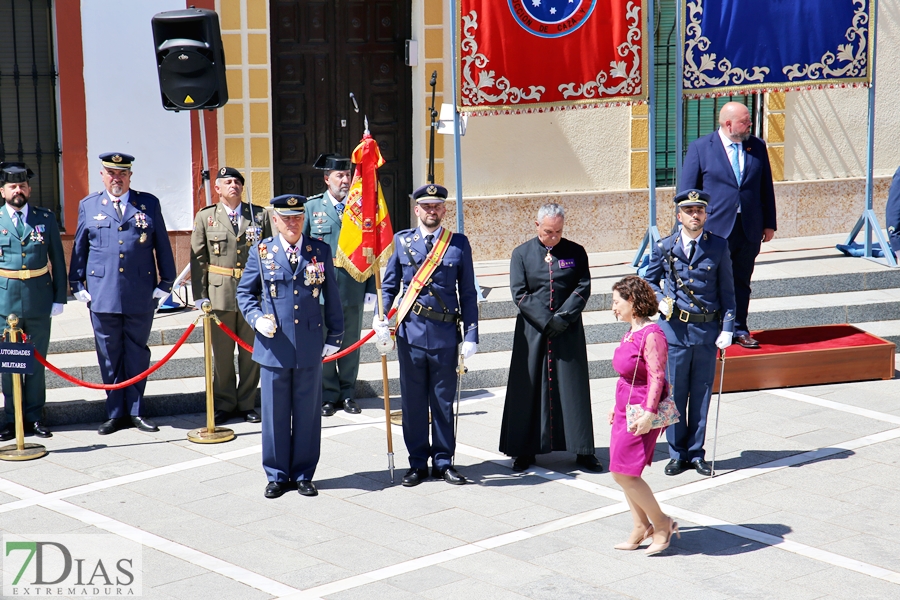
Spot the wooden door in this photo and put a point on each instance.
(321, 52)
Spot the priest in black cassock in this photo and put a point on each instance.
(548, 396)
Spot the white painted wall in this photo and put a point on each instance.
(825, 130)
(123, 105)
(560, 151)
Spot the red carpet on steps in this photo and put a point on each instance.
(802, 339)
(807, 356)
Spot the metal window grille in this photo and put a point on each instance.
(701, 116)
(28, 78)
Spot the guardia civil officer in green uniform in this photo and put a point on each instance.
(32, 285)
(220, 243)
(323, 222)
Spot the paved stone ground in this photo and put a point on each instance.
(805, 506)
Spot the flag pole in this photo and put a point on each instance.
(384, 348)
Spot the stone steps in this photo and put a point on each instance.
(799, 282)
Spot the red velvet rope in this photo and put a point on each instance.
(333, 357)
(123, 384)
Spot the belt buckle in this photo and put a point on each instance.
(24, 274)
(417, 308)
(238, 273)
(683, 315)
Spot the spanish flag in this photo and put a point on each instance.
(367, 239)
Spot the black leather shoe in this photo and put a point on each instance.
(746, 341)
(414, 477)
(702, 467)
(351, 407)
(251, 416)
(144, 424)
(448, 474)
(113, 425)
(589, 462)
(307, 488)
(523, 462)
(222, 416)
(275, 489)
(676, 467)
(38, 429)
(7, 433)
(327, 409)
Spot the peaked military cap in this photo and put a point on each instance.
(430, 193)
(332, 162)
(225, 172)
(289, 204)
(116, 160)
(14, 172)
(691, 198)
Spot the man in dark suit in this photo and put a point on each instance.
(122, 265)
(279, 296)
(691, 275)
(732, 166)
(324, 216)
(32, 286)
(428, 334)
(223, 235)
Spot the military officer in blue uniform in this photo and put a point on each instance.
(278, 294)
(122, 265)
(324, 213)
(32, 286)
(428, 336)
(691, 274)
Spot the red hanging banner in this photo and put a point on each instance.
(537, 55)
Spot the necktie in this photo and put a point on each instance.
(339, 207)
(429, 242)
(692, 245)
(20, 223)
(736, 161)
(118, 204)
(234, 220)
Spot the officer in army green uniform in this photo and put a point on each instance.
(223, 235)
(323, 222)
(32, 285)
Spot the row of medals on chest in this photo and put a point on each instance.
(140, 219)
(252, 234)
(313, 274)
(37, 235)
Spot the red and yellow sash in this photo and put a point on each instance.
(424, 273)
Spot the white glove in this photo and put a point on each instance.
(199, 302)
(382, 328)
(329, 349)
(664, 309)
(265, 326)
(83, 296)
(469, 349)
(724, 340)
(158, 293)
(369, 301)
(56, 309)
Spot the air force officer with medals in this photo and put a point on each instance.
(279, 296)
(435, 269)
(690, 271)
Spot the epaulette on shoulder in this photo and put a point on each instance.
(267, 240)
(316, 197)
(213, 206)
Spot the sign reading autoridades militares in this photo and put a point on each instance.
(17, 358)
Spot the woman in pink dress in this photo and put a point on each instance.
(640, 361)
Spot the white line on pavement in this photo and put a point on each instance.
(847, 408)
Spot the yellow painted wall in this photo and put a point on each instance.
(245, 123)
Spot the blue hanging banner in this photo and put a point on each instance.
(745, 46)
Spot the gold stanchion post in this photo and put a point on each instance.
(209, 434)
(20, 450)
